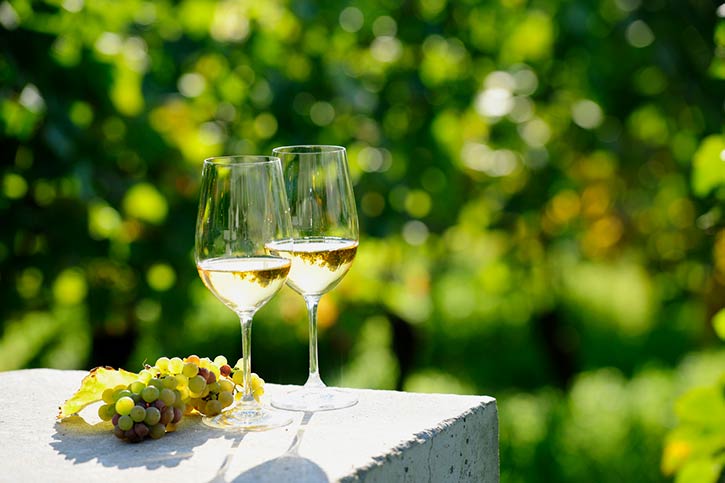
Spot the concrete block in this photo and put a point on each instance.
(387, 437)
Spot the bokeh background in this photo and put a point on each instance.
(540, 186)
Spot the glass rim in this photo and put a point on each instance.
(305, 149)
(242, 160)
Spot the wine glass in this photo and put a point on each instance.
(325, 240)
(242, 208)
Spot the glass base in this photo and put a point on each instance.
(250, 418)
(314, 399)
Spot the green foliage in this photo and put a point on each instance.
(708, 172)
(695, 448)
(540, 186)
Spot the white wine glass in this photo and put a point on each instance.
(325, 240)
(243, 208)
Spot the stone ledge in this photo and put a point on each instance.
(387, 436)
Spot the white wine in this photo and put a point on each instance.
(318, 263)
(244, 284)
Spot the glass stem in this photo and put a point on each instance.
(246, 321)
(313, 380)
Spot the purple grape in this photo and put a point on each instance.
(166, 416)
(141, 430)
(210, 378)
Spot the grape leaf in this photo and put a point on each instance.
(92, 388)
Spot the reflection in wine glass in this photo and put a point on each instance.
(325, 240)
(242, 208)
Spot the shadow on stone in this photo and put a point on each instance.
(285, 468)
(290, 467)
(80, 442)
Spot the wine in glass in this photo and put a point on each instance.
(242, 209)
(325, 240)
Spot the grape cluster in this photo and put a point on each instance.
(142, 410)
(256, 382)
(203, 383)
(164, 392)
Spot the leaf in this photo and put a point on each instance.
(709, 165)
(702, 405)
(702, 470)
(675, 455)
(718, 323)
(92, 388)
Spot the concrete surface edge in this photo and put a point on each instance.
(460, 449)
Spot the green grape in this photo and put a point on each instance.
(108, 396)
(200, 405)
(197, 384)
(155, 382)
(226, 398)
(169, 382)
(136, 387)
(162, 363)
(226, 386)
(145, 376)
(220, 361)
(106, 412)
(122, 393)
(213, 407)
(124, 406)
(153, 415)
(157, 431)
(213, 372)
(214, 387)
(176, 365)
(257, 382)
(190, 369)
(150, 393)
(182, 394)
(238, 378)
(167, 396)
(138, 414)
(125, 422)
(258, 393)
(181, 380)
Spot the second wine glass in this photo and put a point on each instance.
(325, 240)
(243, 208)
